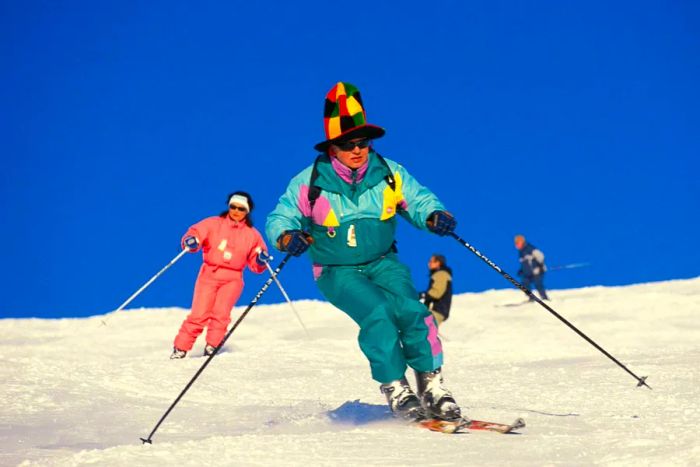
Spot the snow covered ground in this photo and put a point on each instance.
(77, 393)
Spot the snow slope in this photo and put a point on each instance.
(78, 393)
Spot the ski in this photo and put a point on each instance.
(497, 427)
(459, 426)
(443, 426)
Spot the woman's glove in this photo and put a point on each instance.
(263, 258)
(191, 243)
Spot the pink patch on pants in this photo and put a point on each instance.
(435, 344)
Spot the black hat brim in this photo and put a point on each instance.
(364, 131)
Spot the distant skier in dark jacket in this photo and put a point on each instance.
(438, 297)
(532, 267)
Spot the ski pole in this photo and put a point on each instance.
(568, 266)
(253, 302)
(150, 281)
(279, 284)
(641, 381)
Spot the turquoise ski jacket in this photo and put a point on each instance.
(354, 219)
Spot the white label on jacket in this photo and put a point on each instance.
(222, 245)
(352, 241)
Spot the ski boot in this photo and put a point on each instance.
(177, 354)
(402, 401)
(437, 401)
(209, 350)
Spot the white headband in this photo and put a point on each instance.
(240, 200)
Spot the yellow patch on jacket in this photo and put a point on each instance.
(331, 220)
(391, 199)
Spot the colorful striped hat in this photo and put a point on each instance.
(344, 117)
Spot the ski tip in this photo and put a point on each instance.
(146, 441)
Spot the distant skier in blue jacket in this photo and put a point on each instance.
(532, 267)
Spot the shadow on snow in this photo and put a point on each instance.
(359, 413)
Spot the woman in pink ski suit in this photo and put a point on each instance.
(228, 242)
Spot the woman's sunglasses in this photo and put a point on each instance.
(237, 208)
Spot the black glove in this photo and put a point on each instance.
(294, 242)
(441, 223)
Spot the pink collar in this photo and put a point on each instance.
(345, 172)
(233, 224)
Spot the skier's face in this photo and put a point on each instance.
(237, 212)
(433, 263)
(352, 154)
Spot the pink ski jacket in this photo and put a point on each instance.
(228, 244)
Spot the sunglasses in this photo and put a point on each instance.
(237, 208)
(350, 145)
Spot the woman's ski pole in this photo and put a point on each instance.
(641, 381)
(150, 281)
(260, 293)
(279, 285)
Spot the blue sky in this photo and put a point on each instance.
(122, 123)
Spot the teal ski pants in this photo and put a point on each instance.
(396, 330)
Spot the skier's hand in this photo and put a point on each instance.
(262, 257)
(294, 242)
(191, 243)
(441, 222)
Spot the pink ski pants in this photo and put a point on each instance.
(215, 293)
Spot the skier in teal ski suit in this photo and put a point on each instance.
(343, 209)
